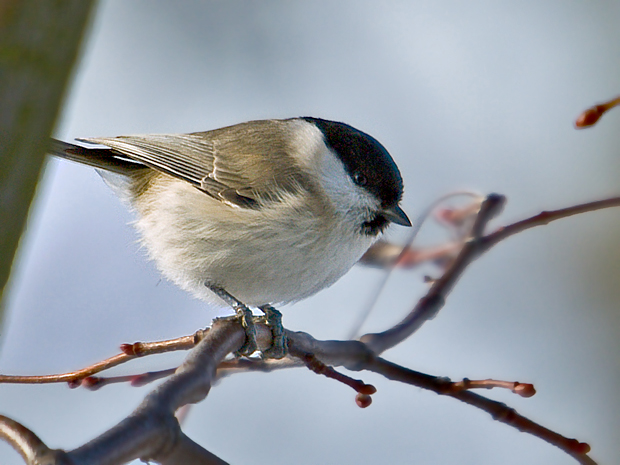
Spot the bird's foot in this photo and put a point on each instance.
(244, 315)
(273, 319)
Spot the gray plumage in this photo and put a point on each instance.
(271, 211)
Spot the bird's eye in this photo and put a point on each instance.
(360, 179)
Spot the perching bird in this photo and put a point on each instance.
(255, 214)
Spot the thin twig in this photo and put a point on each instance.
(522, 389)
(152, 432)
(129, 352)
(428, 306)
(363, 390)
(73, 377)
(433, 301)
(545, 218)
(498, 410)
(96, 382)
(591, 116)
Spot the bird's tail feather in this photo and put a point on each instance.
(104, 159)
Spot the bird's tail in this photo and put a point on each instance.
(104, 159)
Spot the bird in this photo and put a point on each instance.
(256, 214)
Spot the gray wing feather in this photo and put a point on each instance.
(240, 164)
(171, 154)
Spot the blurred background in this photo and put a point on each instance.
(479, 95)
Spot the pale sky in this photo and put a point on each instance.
(479, 95)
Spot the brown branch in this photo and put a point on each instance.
(96, 382)
(522, 389)
(428, 306)
(28, 445)
(152, 432)
(363, 390)
(591, 116)
(73, 377)
(545, 218)
(499, 411)
(128, 353)
(130, 436)
(193, 379)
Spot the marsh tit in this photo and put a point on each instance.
(259, 213)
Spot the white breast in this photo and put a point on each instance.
(277, 254)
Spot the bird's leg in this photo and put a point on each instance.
(244, 314)
(278, 347)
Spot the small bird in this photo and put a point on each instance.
(256, 214)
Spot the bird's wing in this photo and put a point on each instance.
(236, 164)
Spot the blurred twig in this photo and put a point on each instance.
(434, 300)
(591, 116)
(428, 306)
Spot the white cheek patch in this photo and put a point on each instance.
(311, 153)
(346, 196)
(307, 143)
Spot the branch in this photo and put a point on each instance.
(429, 305)
(28, 445)
(499, 411)
(591, 116)
(129, 352)
(153, 433)
(545, 218)
(39, 42)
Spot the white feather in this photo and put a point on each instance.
(282, 252)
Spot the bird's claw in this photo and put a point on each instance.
(279, 346)
(246, 318)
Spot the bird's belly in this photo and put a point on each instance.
(259, 256)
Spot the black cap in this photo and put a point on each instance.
(367, 162)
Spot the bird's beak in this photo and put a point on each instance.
(396, 215)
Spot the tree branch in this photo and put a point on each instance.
(591, 116)
(498, 410)
(39, 43)
(153, 433)
(428, 306)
